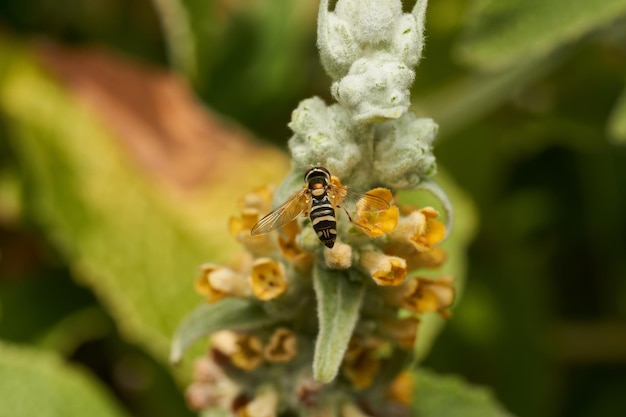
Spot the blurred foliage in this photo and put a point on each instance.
(98, 248)
(451, 397)
(24, 372)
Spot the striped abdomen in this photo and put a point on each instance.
(323, 219)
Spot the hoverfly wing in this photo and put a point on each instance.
(364, 201)
(282, 215)
(370, 202)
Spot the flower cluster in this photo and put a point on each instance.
(389, 246)
(298, 328)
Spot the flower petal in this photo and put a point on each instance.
(385, 270)
(282, 346)
(268, 279)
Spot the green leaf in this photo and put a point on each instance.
(228, 313)
(449, 396)
(37, 383)
(133, 237)
(617, 121)
(466, 100)
(504, 33)
(338, 303)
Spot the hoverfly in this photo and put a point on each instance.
(318, 199)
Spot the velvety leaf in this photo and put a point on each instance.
(38, 383)
(617, 121)
(503, 33)
(338, 303)
(450, 396)
(467, 100)
(228, 313)
(129, 176)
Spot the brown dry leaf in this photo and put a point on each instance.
(153, 113)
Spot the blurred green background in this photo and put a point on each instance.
(115, 185)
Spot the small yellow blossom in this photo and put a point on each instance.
(403, 331)
(281, 347)
(361, 365)
(339, 256)
(290, 249)
(349, 409)
(267, 279)
(211, 386)
(401, 388)
(421, 229)
(249, 354)
(423, 295)
(264, 404)
(252, 207)
(377, 223)
(216, 282)
(240, 228)
(245, 351)
(206, 370)
(260, 199)
(385, 270)
(433, 258)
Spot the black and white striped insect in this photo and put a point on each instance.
(319, 199)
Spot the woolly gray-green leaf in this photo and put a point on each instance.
(39, 383)
(229, 313)
(449, 396)
(338, 303)
(504, 33)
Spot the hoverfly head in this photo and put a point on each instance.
(317, 175)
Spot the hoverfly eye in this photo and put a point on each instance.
(317, 172)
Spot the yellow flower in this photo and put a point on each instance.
(421, 229)
(282, 346)
(349, 409)
(252, 207)
(245, 351)
(216, 282)
(433, 258)
(264, 404)
(377, 223)
(401, 388)
(260, 199)
(211, 386)
(423, 295)
(385, 270)
(267, 279)
(290, 249)
(403, 331)
(361, 362)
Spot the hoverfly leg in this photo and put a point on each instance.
(352, 221)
